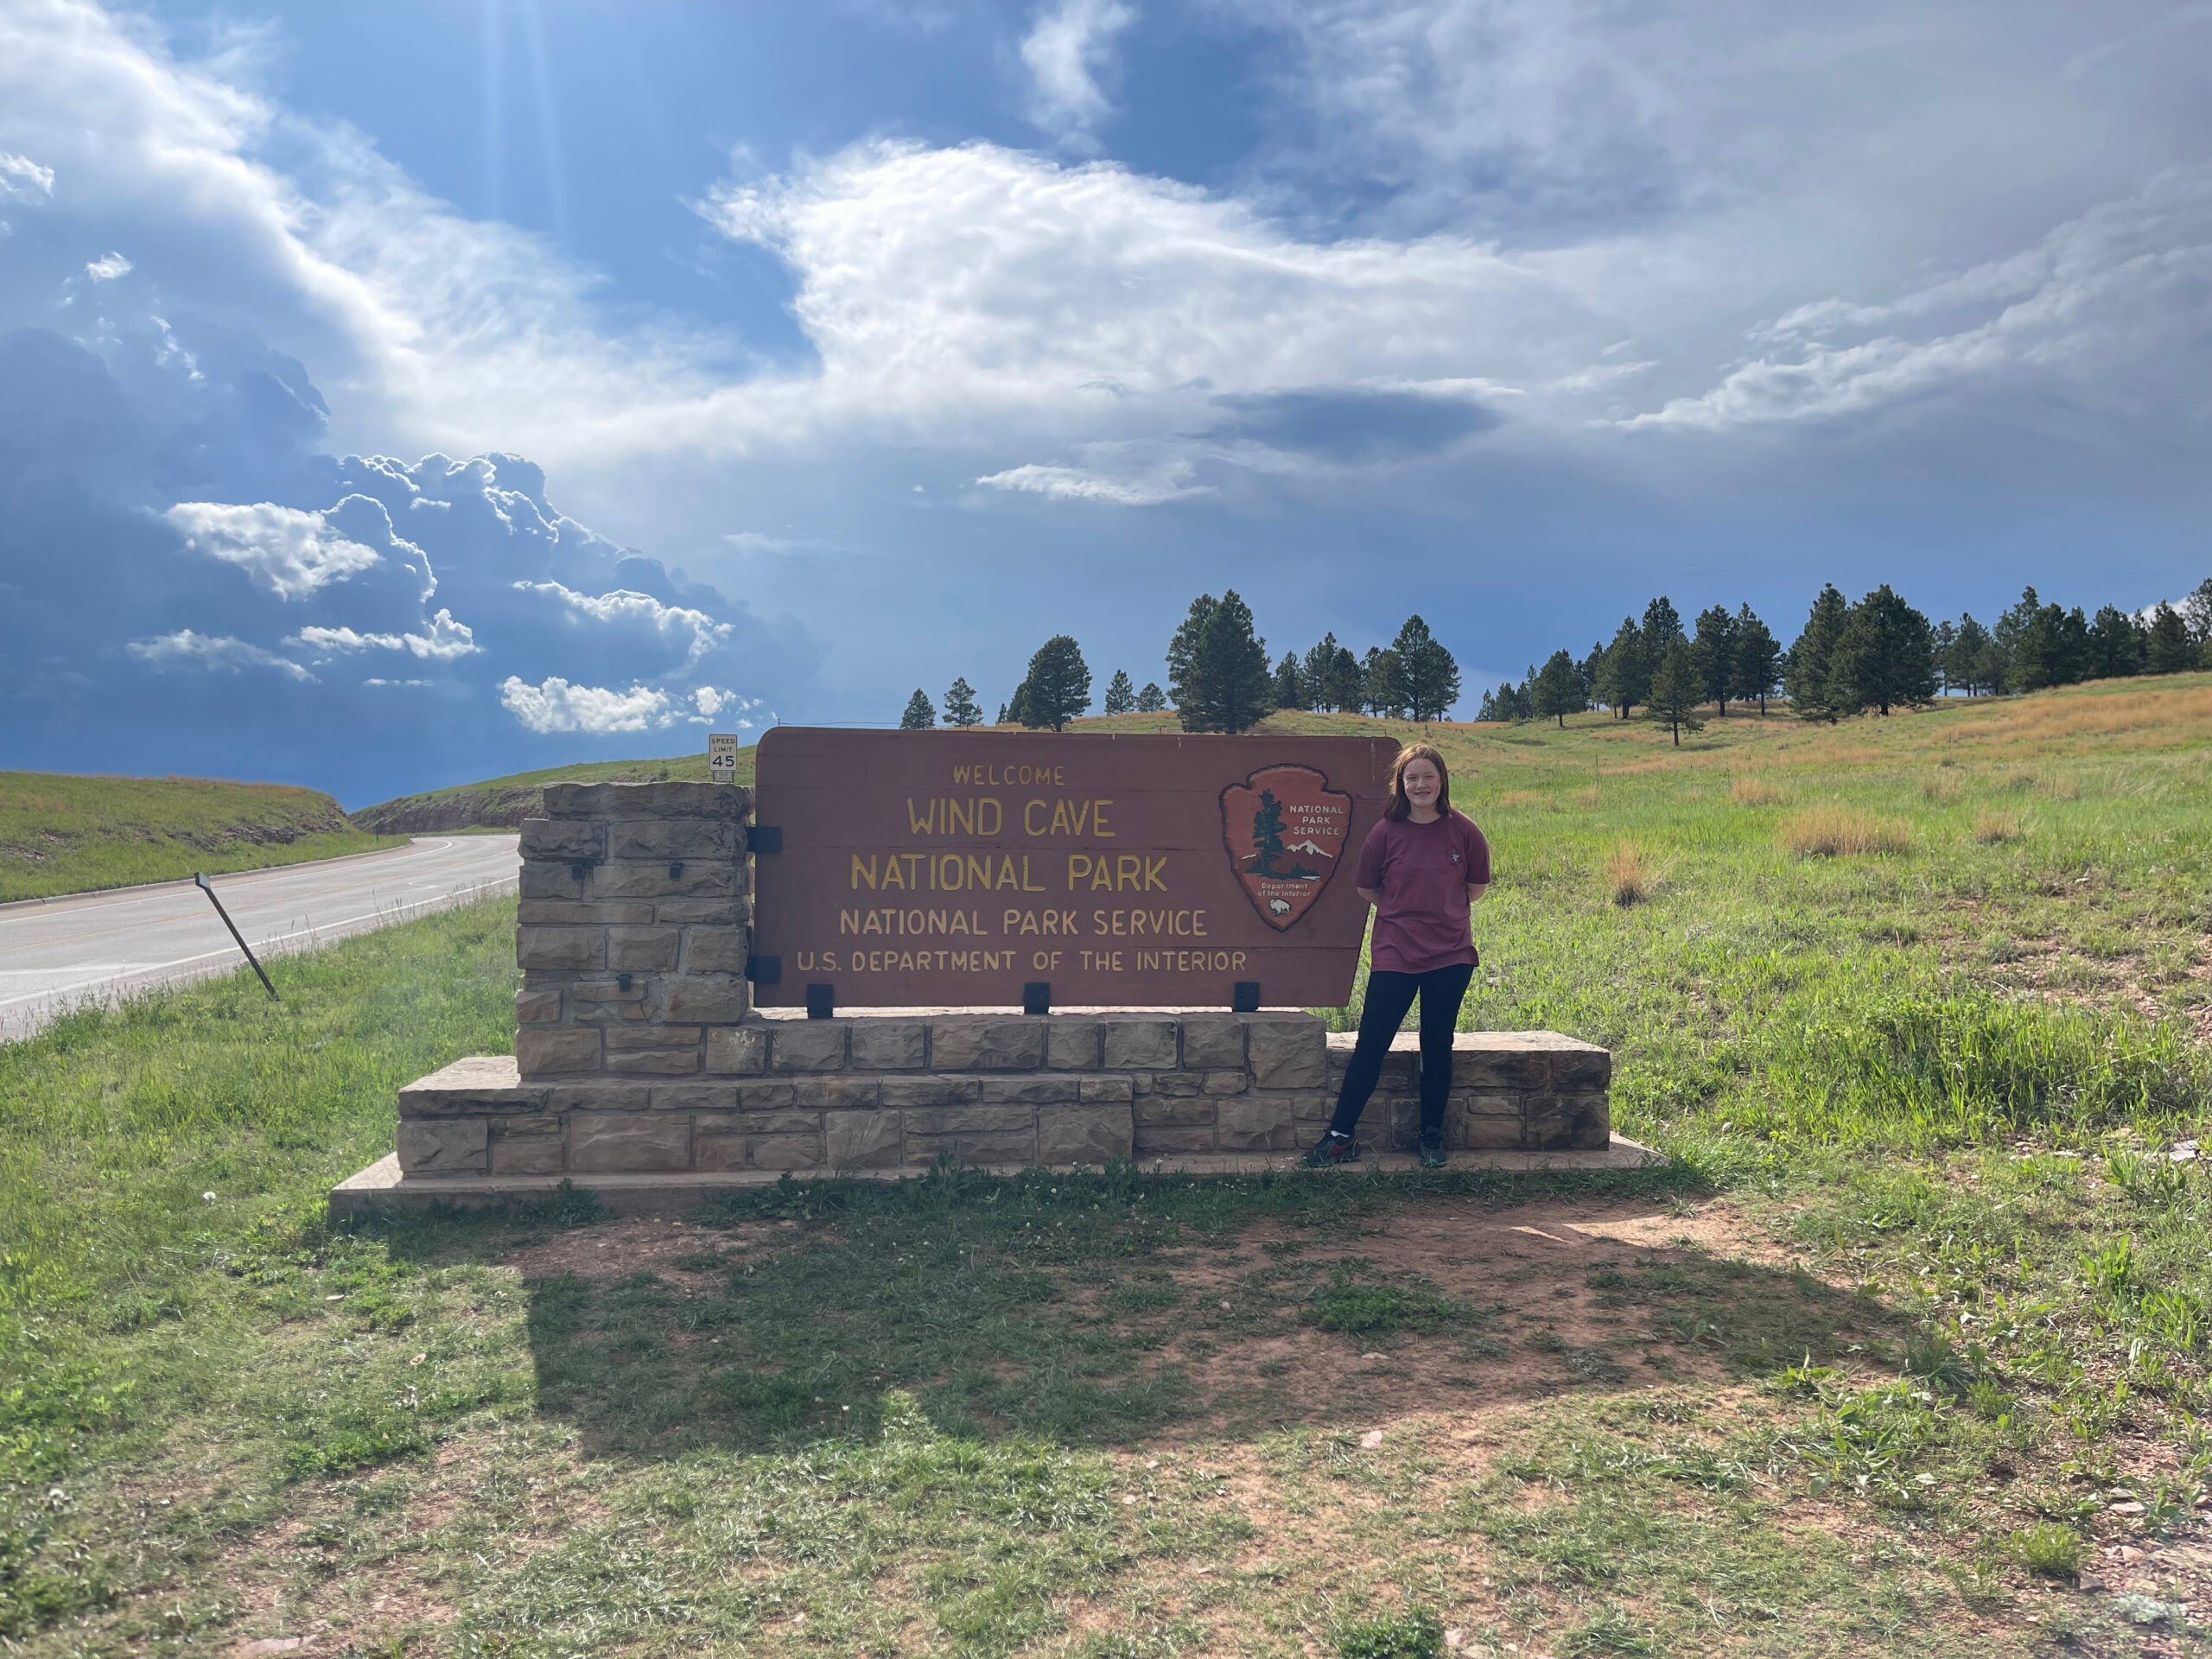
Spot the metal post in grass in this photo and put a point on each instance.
(201, 882)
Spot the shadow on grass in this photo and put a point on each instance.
(1114, 1307)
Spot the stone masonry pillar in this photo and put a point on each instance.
(634, 921)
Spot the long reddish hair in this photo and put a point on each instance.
(1398, 808)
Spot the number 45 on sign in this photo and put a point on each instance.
(722, 757)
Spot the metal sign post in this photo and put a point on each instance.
(201, 882)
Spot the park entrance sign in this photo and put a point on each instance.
(900, 869)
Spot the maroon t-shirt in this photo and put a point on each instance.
(1419, 872)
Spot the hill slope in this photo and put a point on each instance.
(503, 803)
(63, 833)
(1495, 761)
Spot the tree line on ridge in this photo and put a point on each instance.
(1219, 679)
(1878, 653)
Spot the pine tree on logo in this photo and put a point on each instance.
(1267, 837)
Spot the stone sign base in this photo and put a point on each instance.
(890, 1093)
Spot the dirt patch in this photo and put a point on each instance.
(651, 1244)
(1547, 1298)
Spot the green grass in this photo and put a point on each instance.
(1915, 1336)
(62, 833)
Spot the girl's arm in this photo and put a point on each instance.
(1374, 895)
(1475, 891)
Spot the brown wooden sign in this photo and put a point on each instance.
(953, 869)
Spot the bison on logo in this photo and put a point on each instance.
(1285, 830)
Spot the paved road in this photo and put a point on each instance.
(98, 947)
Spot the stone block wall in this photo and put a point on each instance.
(632, 929)
(893, 1092)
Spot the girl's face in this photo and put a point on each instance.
(1423, 784)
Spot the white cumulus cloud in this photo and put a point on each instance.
(641, 610)
(289, 552)
(556, 706)
(188, 649)
(108, 267)
(1069, 46)
(24, 180)
(442, 641)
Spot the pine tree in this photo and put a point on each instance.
(1058, 688)
(1344, 683)
(1222, 682)
(1121, 696)
(2115, 644)
(1624, 674)
(1016, 707)
(1314, 673)
(919, 716)
(1884, 657)
(2168, 649)
(1152, 699)
(1586, 672)
(1972, 663)
(2006, 669)
(1431, 676)
(1557, 690)
(1674, 689)
(2196, 612)
(960, 707)
(1183, 646)
(1005, 713)
(1662, 626)
(1290, 686)
(1713, 651)
(1758, 659)
(1382, 683)
(1812, 656)
(1946, 640)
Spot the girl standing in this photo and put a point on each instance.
(1423, 867)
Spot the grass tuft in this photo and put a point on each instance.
(1629, 879)
(2049, 1547)
(1417, 1633)
(1345, 1305)
(1753, 792)
(1837, 831)
(1993, 829)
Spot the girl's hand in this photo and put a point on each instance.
(1475, 891)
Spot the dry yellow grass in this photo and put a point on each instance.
(1627, 878)
(1833, 831)
(1990, 828)
(1753, 792)
(1520, 798)
(1584, 800)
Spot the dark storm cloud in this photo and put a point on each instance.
(1350, 426)
(185, 577)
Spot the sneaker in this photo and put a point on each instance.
(1331, 1150)
(1432, 1152)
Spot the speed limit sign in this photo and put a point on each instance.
(722, 757)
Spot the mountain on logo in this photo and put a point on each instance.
(1308, 845)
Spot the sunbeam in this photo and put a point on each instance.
(549, 135)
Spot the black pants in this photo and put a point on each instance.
(1388, 996)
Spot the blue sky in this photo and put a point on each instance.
(395, 395)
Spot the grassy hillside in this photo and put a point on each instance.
(63, 833)
(503, 803)
(1907, 1351)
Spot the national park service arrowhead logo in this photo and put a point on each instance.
(1285, 829)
